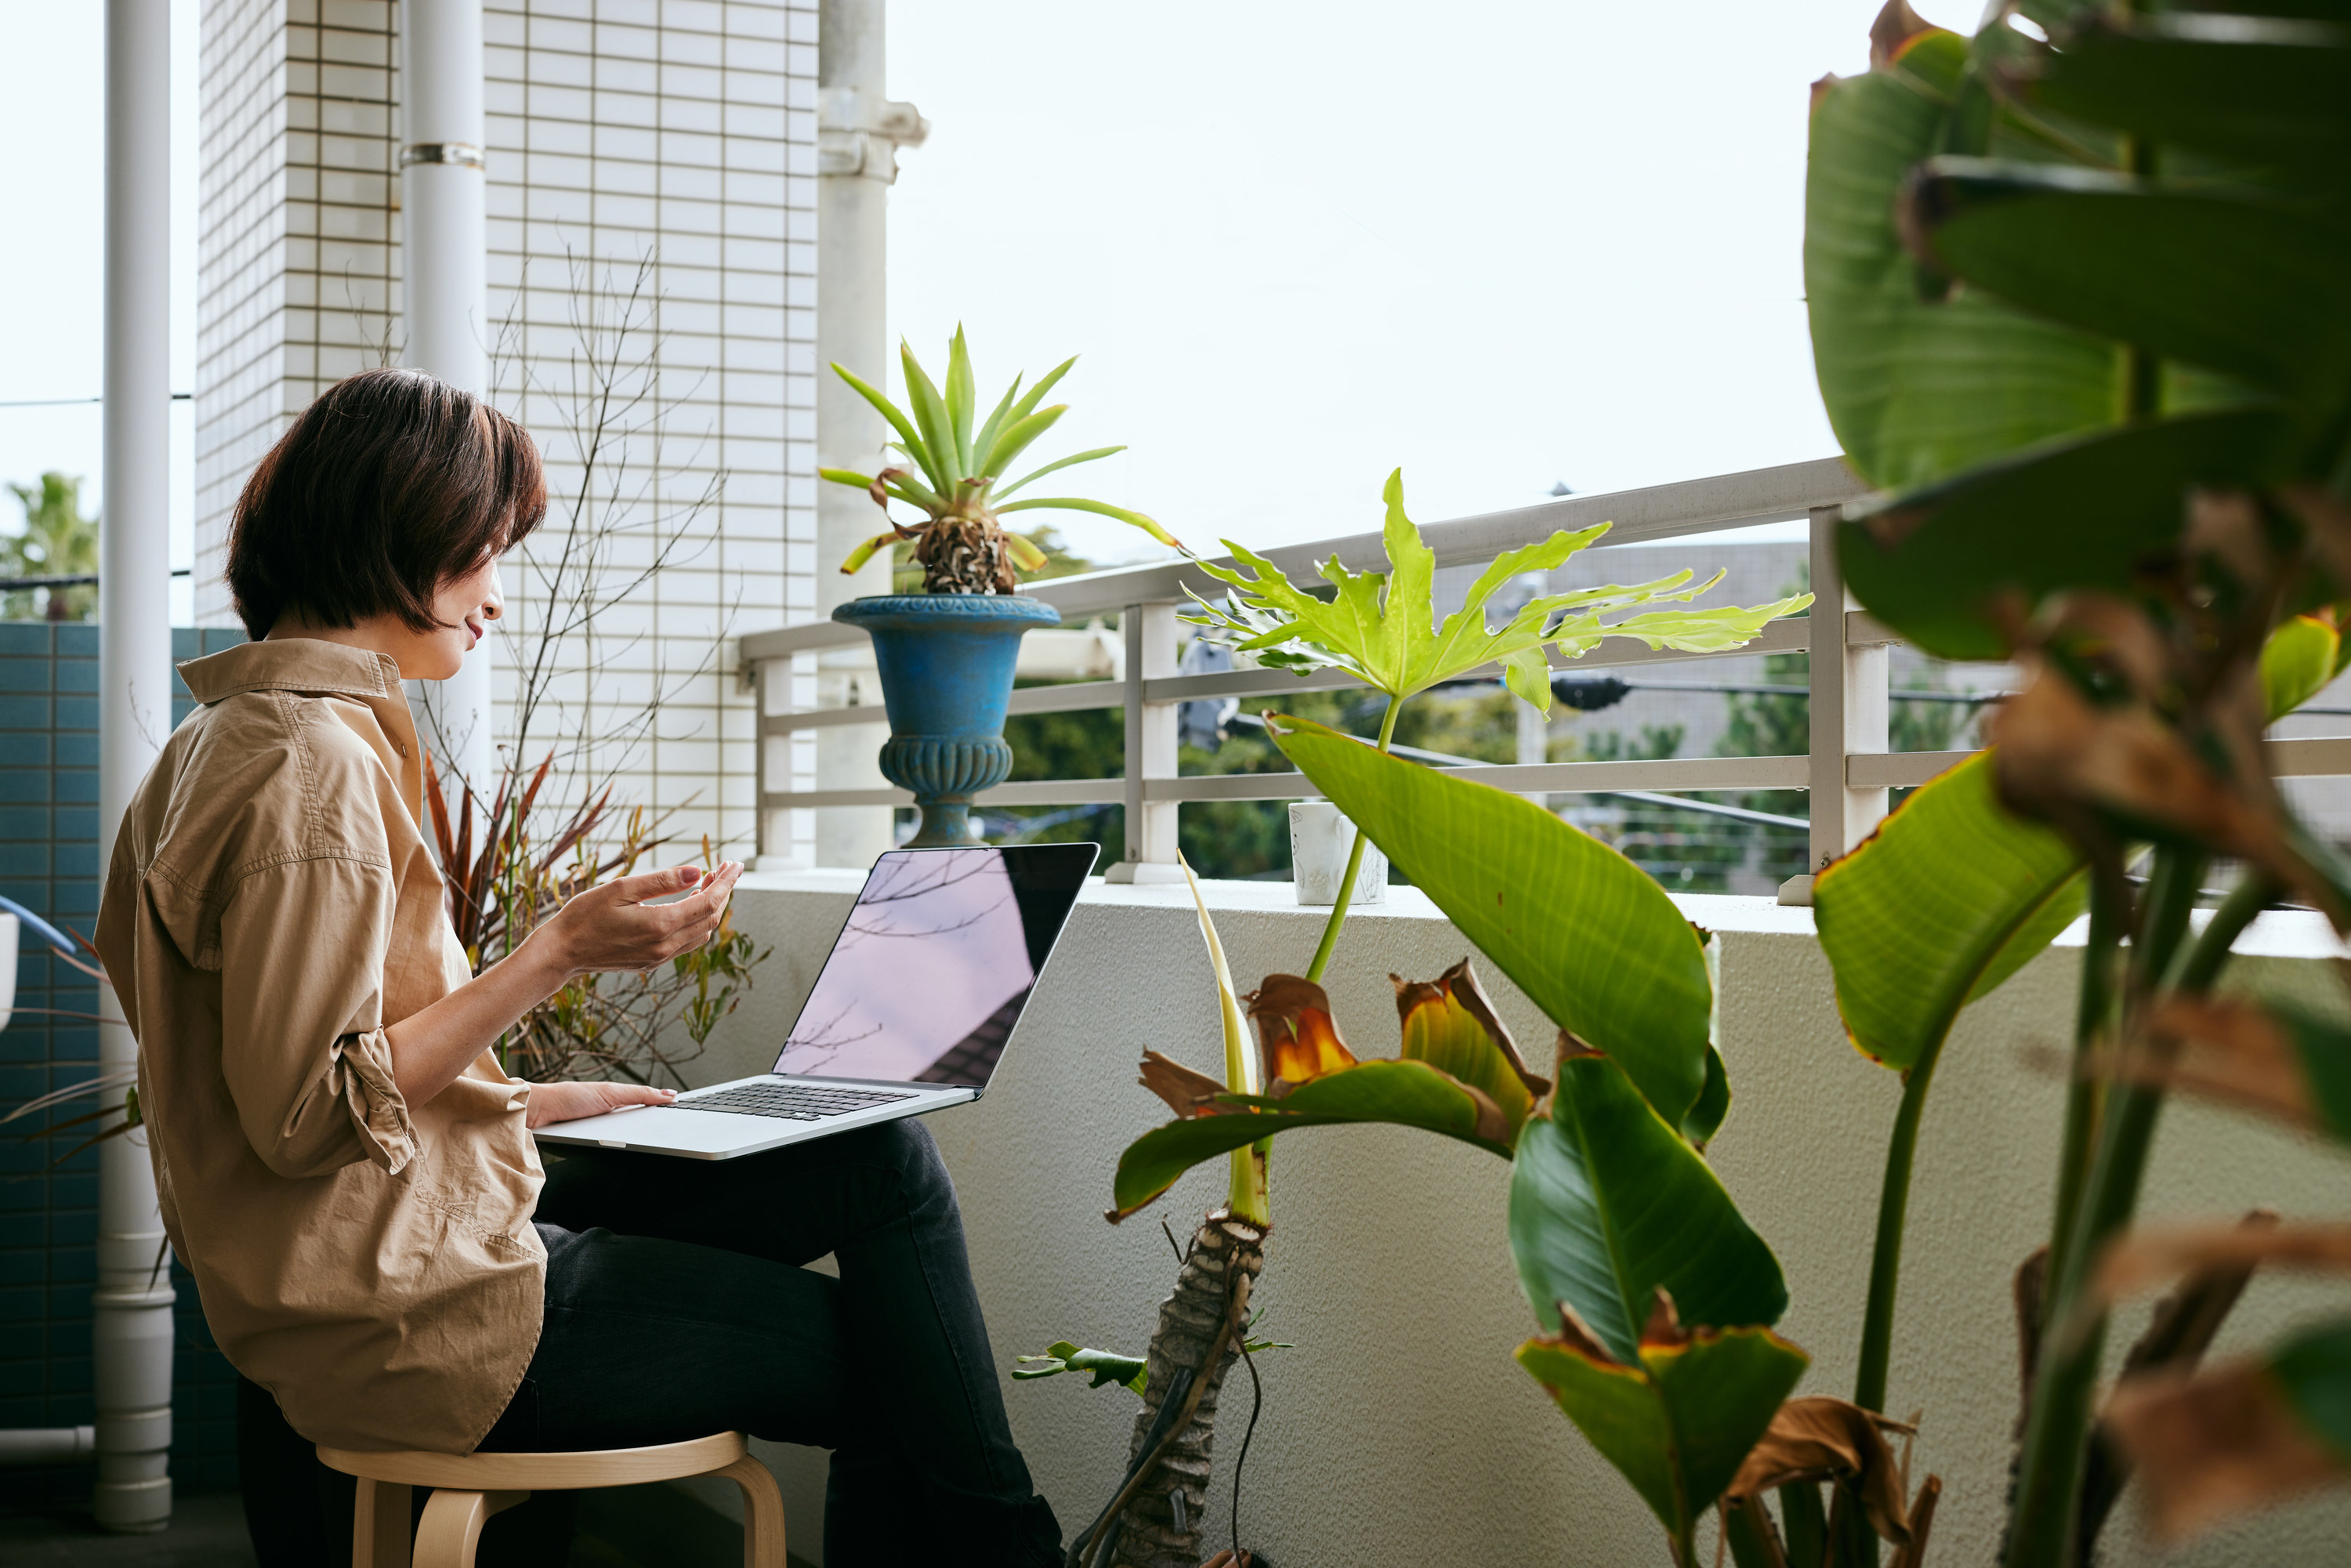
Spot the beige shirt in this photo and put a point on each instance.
(271, 908)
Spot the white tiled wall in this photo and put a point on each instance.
(671, 138)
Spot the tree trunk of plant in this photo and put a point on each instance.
(1190, 1321)
(960, 554)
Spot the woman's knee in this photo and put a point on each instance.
(906, 1146)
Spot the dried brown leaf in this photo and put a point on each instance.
(1187, 1092)
(1892, 32)
(2145, 1259)
(1664, 1330)
(2215, 1446)
(1297, 1037)
(1819, 1439)
(2223, 1049)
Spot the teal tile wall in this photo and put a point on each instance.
(48, 1209)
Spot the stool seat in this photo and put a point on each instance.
(467, 1488)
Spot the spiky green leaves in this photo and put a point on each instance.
(1382, 626)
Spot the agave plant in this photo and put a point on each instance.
(962, 544)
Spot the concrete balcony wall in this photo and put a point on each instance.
(1399, 1432)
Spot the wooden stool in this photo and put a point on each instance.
(469, 1488)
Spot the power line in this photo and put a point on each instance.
(73, 401)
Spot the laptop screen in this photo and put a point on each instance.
(941, 951)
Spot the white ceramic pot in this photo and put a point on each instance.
(1320, 840)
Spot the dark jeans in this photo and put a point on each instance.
(678, 1306)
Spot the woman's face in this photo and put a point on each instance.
(465, 607)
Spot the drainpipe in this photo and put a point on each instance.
(859, 132)
(131, 1327)
(443, 269)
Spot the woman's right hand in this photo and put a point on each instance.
(616, 927)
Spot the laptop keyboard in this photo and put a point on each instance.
(790, 1102)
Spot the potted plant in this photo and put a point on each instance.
(945, 654)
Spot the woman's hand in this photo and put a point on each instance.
(616, 927)
(611, 927)
(570, 1102)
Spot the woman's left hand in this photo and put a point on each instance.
(570, 1102)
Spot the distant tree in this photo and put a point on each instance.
(56, 541)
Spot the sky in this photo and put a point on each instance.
(1503, 244)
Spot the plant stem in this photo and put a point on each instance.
(1355, 864)
(2041, 1526)
(2084, 1094)
(1885, 1258)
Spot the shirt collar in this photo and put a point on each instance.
(293, 665)
(315, 668)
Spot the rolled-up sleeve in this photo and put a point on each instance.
(303, 948)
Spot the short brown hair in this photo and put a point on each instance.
(386, 488)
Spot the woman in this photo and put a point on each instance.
(343, 1164)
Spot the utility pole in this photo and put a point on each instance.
(131, 1330)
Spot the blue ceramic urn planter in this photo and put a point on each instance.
(946, 662)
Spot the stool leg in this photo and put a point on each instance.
(452, 1524)
(763, 1513)
(380, 1524)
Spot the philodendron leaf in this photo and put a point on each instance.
(2242, 1437)
(1382, 627)
(1608, 1206)
(1457, 1075)
(1107, 1368)
(1679, 1418)
(1950, 896)
(1583, 931)
(1919, 385)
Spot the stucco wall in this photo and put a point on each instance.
(1400, 1432)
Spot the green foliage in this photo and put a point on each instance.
(957, 481)
(1595, 942)
(1950, 897)
(1109, 1368)
(1382, 626)
(56, 541)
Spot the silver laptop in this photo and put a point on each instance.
(910, 1014)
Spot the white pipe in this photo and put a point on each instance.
(858, 133)
(445, 274)
(48, 1445)
(132, 1303)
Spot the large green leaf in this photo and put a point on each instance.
(1405, 1094)
(1382, 627)
(2246, 286)
(1950, 896)
(2268, 90)
(2303, 654)
(1581, 930)
(1679, 1421)
(1919, 386)
(1950, 566)
(1608, 1206)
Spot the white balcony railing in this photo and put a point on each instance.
(1848, 761)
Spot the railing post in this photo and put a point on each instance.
(1848, 710)
(1150, 749)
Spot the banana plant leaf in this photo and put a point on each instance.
(1459, 1074)
(1609, 1205)
(2248, 285)
(2301, 656)
(2271, 91)
(1584, 932)
(1920, 383)
(1676, 1421)
(1951, 567)
(1950, 896)
(2241, 1437)
(1382, 626)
